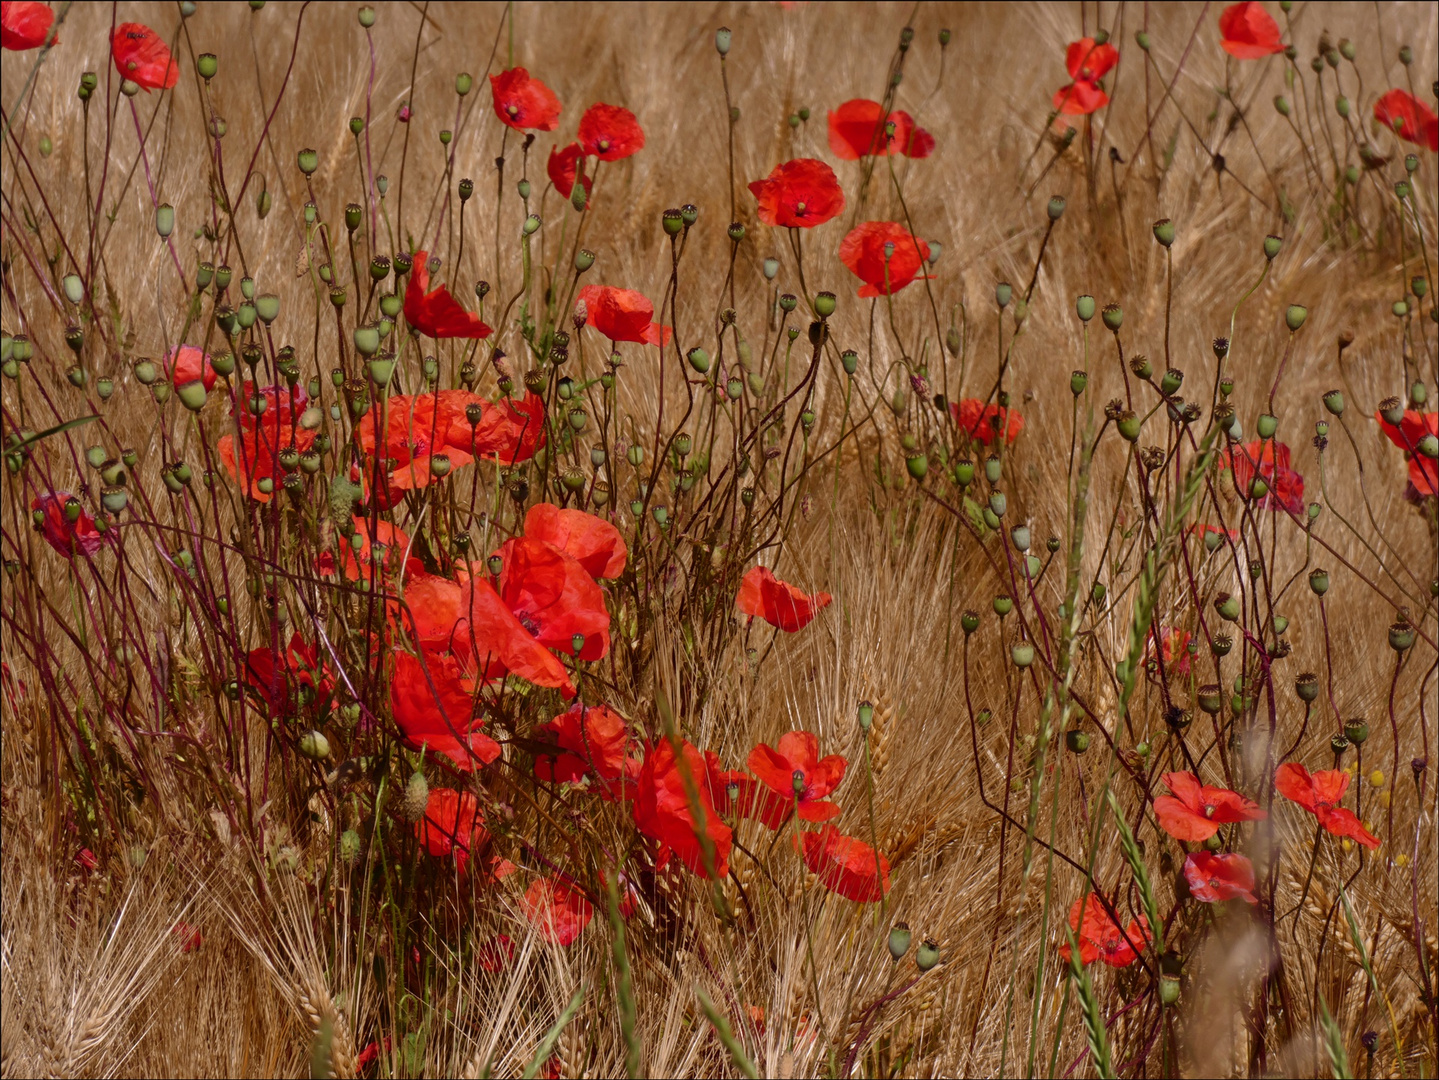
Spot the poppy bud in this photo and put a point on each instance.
(927, 956)
(1056, 207)
(1164, 231)
(1003, 605)
(314, 746)
(824, 305)
(1401, 636)
(1129, 426)
(1003, 293)
(1294, 316)
(1022, 654)
(1113, 316)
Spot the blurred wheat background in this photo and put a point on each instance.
(93, 982)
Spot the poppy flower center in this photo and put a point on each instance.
(1209, 811)
(604, 144)
(799, 208)
(528, 622)
(1214, 883)
(513, 110)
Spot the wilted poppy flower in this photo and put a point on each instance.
(662, 808)
(1087, 64)
(188, 364)
(1195, 811)
(1100, 937)
(982, 422)
(590, 741)
(289, 679)
(592, 542)
(439, 718)
(417, 428)
(1213, 878)
(796, 761)
(510, 430)
(142, 57)
(69, 538)
(523, 103)
(858, 129)
(623, 315)
(1423, 471)
(25, 24)
(563, 167)
(253, 457)
(1248, 32)
(1270, 460)
(738, 794)
(1409, 118)
(1321, 794)
(846, 866)
(452, 824)
(557, 909)
(85, 860)
(798, 194)
(884, 255)
(780, 604)
(553, 597)
(610, 133)
(437, 314)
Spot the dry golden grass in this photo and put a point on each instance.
(94, 981)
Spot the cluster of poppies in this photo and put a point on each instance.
(1193, 813)
(139, 53)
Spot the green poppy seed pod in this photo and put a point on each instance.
(367, 16)
(1402, 188)
(1076, 740)
(1003, 605)
(964, 472)
(577, 418)
(1003, 293)
(1406, 55)
(866, 715)
(114, 499)
(849, 360)
(1141, 38)
(74, 288)
(1306, 687)
(1213, 541)
(1113, 316)
(1281, 624)
(164, 220)
(1294, 316)
(1020, 537)
(1392, 410)
(314, 746)
(824, 304)
(531, 225)
(1172, 380)
(104, 385)
(1338, 744)
(1267, 426)
(77, 376)
(1056, 207)
(689, 214)
(382, 184)
(1411, 163)
(129, 87)
(446, 135)
(1164, 231)
(917, 466)
(1129, 426)
(440, 465)
(1341, 106)
(1356, 730)
(391, 304)
(997, 503)
(1258, 488)
(310, 461)
(1227, 606)
(192, 395)
(267, 306)
(145, 372)
(1210, 698)
(1319, 581)
(992, 468)
(584, 259)
(1281, 104)
(990, 521)
(1141, 366)
(1400, 308)
(1418, 286)
(927, 955)
(1084, 307)
(367, 340)
(245, 315)
(734, 387)
(1401, 636)
(899, 939)
(1428, 446)
(1169, 990)
(635, 455)
(357, 125)
(969, 621)
(95, 456)
(381, 368)
(207, 65)
(1022, 654)
(1078, 380)
(308, 161)
(1334, 402)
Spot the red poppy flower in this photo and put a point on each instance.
(610, 133)
(1195, 811)
(564, 166)
(846, 866)
(1213, 878)
(25, 24)
(557, 909)
(189, 936)
(622, 315)
(1423, 471)
(798, 194)
(417, 428)
(884, 255)
(857, 129)
(778, 603)
(982, 422)
(437, 314)
(1100, 937)
(452, 825)
(473, 622)
(523, 103)
(592, 542)
(1408, 117)
(1175, 650)
(290, 680)
(441, 718)
(1248, 32)
(553, 597)
(1321, 794)
(510, 430)
(1270, 459)
(794, 761)
(142, 57)
(592, 743)
(254, 457)
(69, 538)
(386, 546)
(188, 364)
(497, 953)
(738, 794)
(662, 808)
(1087, 64)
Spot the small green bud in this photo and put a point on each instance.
(1272, 245)
(1003, 293)
(1084, 307)
(1056, 207)
(1294, 316)
(1164, 232)
(367, 16)
(723, 37)
(899, 940)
